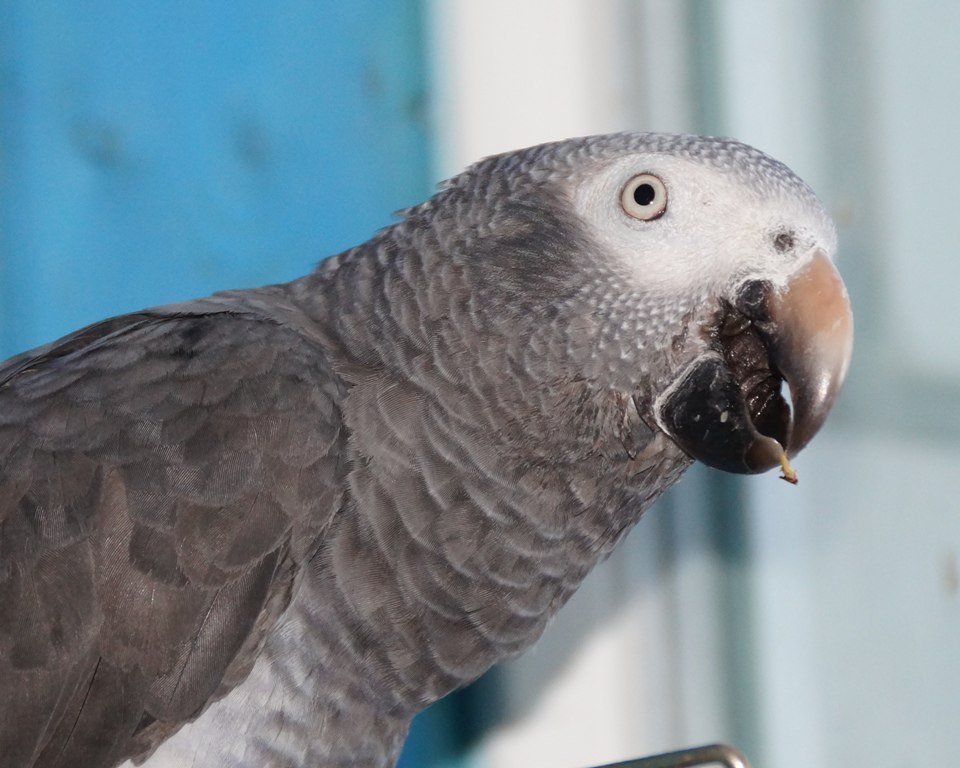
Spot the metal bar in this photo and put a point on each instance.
(712, 754)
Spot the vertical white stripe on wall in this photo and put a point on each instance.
(509, 74)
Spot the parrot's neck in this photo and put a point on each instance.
(482, 491)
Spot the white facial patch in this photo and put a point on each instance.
(716, 231)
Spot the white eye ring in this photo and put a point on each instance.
(644, 197)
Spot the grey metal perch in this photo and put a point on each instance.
(712, 754)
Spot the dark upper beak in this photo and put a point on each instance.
(726, 408)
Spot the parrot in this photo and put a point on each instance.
(267, 527)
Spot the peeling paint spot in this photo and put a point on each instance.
(250, 143)
(99, 141)
(951, 574)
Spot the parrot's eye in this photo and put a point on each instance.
(644, 197)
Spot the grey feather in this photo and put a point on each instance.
(268, 527)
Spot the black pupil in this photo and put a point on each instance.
(644, 194)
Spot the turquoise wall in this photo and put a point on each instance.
(157, 151)
(152, 152)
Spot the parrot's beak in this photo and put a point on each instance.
(727, 409)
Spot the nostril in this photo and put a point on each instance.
(752, 300)
(784, 241)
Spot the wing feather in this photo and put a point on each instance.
(162, 477)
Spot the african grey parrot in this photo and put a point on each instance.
(267, 527)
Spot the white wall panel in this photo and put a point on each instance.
(832, 638)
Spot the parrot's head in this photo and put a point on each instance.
(736, 246)
(696, 273)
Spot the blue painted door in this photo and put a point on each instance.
(156, 151)
(152, 152)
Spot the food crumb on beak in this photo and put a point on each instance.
(789, 473)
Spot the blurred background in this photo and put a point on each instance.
(151, 152)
